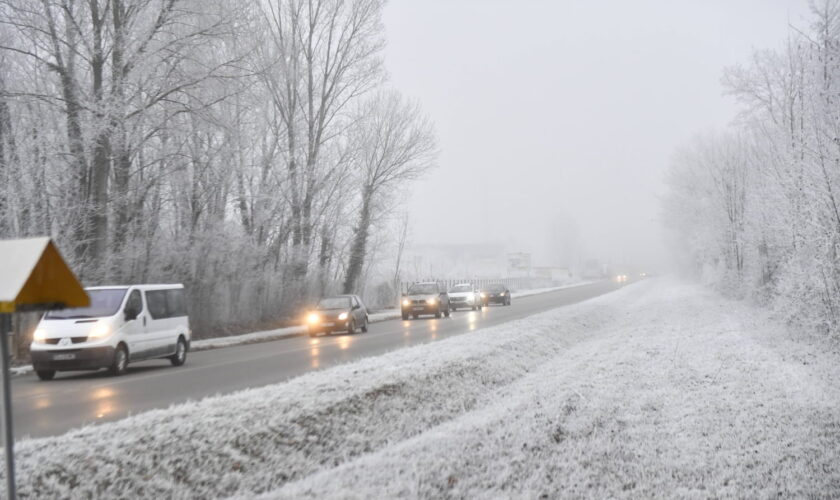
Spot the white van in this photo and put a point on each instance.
(122, 324)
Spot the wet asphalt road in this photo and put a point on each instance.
(77, 398)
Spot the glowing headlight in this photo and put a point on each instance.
(342, 316)
(99, 331)
(406, 302)
(483, 295)
(502, 294)
(313, 318)
(432, 300)
(40, 335)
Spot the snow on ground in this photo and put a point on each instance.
(658, 390)
(537, 291)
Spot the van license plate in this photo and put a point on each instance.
(63, 357)
(418, 308)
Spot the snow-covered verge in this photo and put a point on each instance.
(659, 389)
(537, 291)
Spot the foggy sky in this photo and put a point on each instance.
(570, 110)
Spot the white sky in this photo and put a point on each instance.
(546, 108)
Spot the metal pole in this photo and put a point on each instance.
(5, 331)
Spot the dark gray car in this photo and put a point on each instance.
(341, 313)
(425, 298)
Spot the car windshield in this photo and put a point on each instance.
(422, 288)
(496, 288)
(460, 289)
(335, 303)
(102, 303)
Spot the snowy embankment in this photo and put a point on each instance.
(659, 389)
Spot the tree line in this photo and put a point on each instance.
(755, 210)
(249, 149)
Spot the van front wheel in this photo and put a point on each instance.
(180, 355)
(45, 374)
(120, 363)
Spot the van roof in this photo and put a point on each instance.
(139, 287)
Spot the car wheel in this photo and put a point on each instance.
(364, 325)
(415, 316)
(447, 312)
(180, 356)
(120, 362)
(438, 314)
(405, 316)
(351, 328)
(45, 374)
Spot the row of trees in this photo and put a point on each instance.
(756, 209)
(250, 149)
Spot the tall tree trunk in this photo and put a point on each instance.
(358, 249)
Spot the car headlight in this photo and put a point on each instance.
(483, 295)
(502, 294)
(100, 331)
(406, 302)
(342, 316)
(40, 335)
(313, 318)
(432, 300)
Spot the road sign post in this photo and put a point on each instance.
(8, 428)
(33, 277)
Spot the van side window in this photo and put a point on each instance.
(156, 300)
(166, 303)
(175, 303)
(134, 302)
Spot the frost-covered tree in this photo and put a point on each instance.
(766, 212)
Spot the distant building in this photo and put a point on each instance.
(554, 274)
(519, 265)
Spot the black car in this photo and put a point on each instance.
(342, 313)
(496, 293)
(425, 298)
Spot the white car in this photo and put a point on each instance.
(122, 324)
(465, 295)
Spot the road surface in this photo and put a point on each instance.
(77, 398)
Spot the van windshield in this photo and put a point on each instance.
(102, 303)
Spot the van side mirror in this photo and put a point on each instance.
(356, 306)
(131, 314)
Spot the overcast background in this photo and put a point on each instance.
(566, 113)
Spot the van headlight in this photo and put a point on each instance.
(40, 335)
(342, 316)
(99, 331)
(406, 302)
(313, 318)
(432, 301)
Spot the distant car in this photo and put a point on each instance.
(121, 324)
(496, 293)
(425, 298)
(342, 313)
(465, 295)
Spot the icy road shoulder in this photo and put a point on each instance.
(660, 389)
